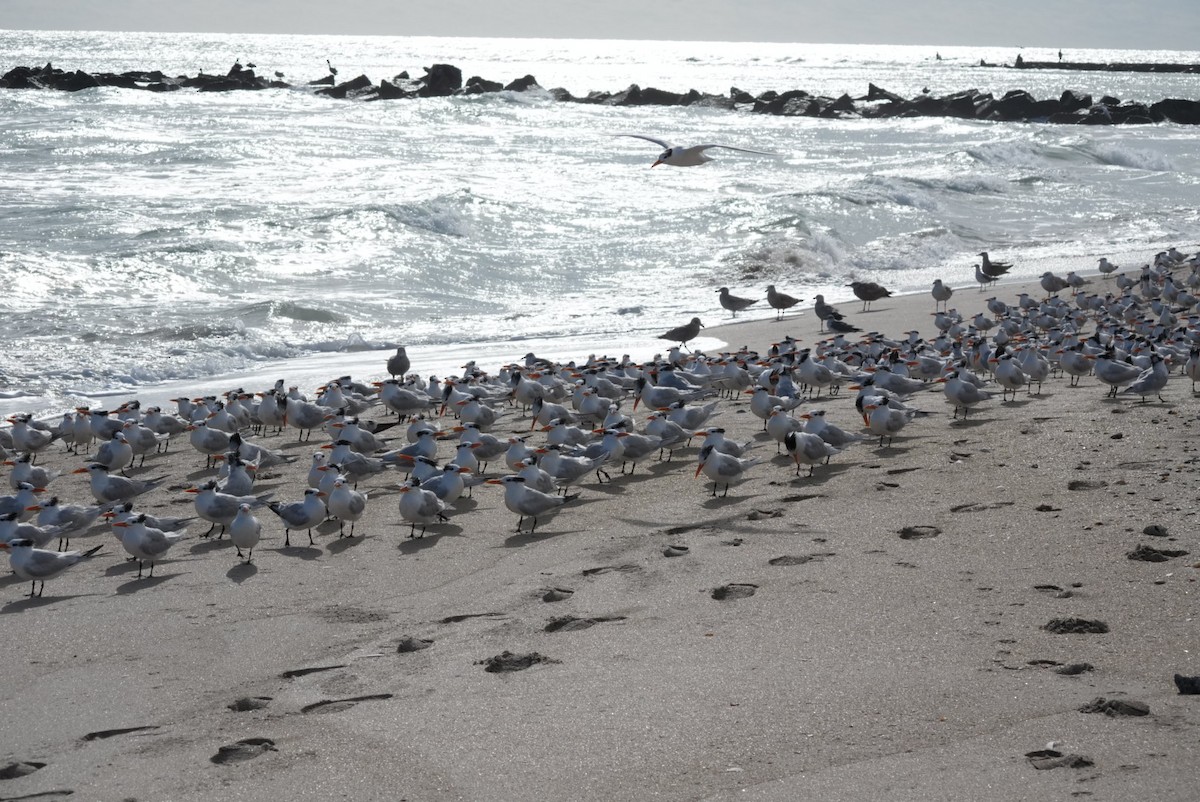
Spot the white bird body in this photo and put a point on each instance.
(419, 506)
(527, 502)
(37, 565)
(722, 468)
(245, 531)
(808, 449)
(346, 504)
(146, 544)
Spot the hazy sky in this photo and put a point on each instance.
(1149, 24)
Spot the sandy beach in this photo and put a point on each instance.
(877, 631)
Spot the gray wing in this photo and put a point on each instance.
(656, 141)
(731, 147)
(48, 563)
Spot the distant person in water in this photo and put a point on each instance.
(1060, 55)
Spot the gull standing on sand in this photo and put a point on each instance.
(683, 334)
(733, 303)
(1052, 284)
(398, 363)
(527, 502)
(678, 156)
(824, 312)
(37, 565)
(779, 301)
(941, 294)
(868, 291)
(993, 269)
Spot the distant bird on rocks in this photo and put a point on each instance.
(868, 291)
(779, 301)
(733, 303)
(683, 334)
(941, 293)
(332, 69)
(679, 156)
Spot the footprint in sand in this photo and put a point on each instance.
(1076, 626)
(302, 672)
(675, 551)
(918, 532)
(245, 749)
(335, 705)
(507, 661)
(20, 769)
(1116, 707)
(1044, 759)
(735, 590)
(248, 703)
(100, 735)
(413, 645)
(569, 623)
(800, 559)
(557, 594)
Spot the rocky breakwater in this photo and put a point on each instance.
(446, 80)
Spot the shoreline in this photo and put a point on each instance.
(874, 632)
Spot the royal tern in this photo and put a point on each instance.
(678, 156)
(13, 528)
(346, 504)
(450, 483)
(303, 514)
(1150, 381)
(70, 518)
(146, 544)
(808, 449)
(38, 565)
(245, 531)
(815, 423)
(780, 425)
(884, 421)
(963, 395)
(106, 489)
(23, 470)
(420, 506)
(715, 436)
(527, 502)
(723, 469)
(219, 508)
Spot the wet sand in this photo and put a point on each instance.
(876, 631)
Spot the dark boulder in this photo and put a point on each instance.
(659, 97)
(440, 80)
(1184, 112)
(477, 86)
(75, 81)
(738, 96)
(1073, 101)
(389, 91)
(563, 96)
(876, 93)
(522, 84)
(355, 85)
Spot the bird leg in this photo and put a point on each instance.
(287, 538)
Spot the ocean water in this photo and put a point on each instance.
(151, 242)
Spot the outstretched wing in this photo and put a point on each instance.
(659, 142)
(731, 147)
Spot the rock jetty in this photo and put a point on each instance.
(445, 80)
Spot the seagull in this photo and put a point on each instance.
(733, 303)
(941, 293)
(398, 363)
(993, 269)
(1053, 284)
(682, 334)
(824, 312)
(38, 565)
(779, 301)
(678, 156)
(868, 291)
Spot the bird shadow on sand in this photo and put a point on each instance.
(969, 423)
(302, 552)
(822, 474)
(126, 566)
(134, 585)
(1012, 402)
(241, 572)
(719, 501)
(12, 579)
(412, 545)
(27, 603)
(524, 538)
(890, 451)
(210, 544)
(340, 544)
